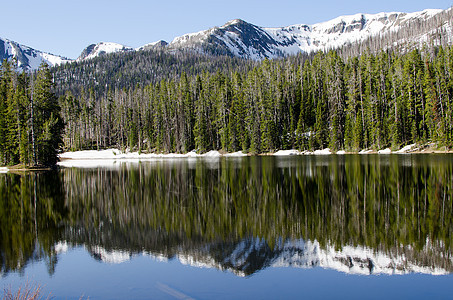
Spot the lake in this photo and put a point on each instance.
(352, 226)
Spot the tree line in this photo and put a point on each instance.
(30, 123)
(371, 101)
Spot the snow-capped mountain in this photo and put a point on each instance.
(239, 38)
(95, 50)
(242, 39)
(252, 255)
(155, 45)
(27, 58)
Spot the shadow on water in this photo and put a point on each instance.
(364, 214)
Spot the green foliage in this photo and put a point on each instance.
(369, 102)
(30, 124)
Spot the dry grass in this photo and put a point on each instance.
(27, 292)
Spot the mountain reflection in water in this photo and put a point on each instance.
(368, 214)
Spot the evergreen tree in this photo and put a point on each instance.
(47, 121)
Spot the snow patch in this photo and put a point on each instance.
(61, 247)
(322, 152)
(341, 152)
(3, 170)
(406, 149)
(212, 154)
(236, 154)
(112, 257)
(297, 38)
(364, 151)
(385, 151)
(105, 48)
(91, 154)
(114, 158)
(287, 152)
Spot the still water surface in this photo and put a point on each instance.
(349, 226)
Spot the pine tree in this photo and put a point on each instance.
(47, 120)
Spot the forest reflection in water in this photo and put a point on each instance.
(363, 214)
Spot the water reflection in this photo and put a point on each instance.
(359, 214)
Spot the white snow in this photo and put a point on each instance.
(92, 154)
(286, 40)
(192, 154)
(115, 154)
(150, 45)
(341, 152)
(322, 152)
(405, 149)
(305, 38)
(358, 260)
(385, 151)
(61, 247)
(3, 170)
(115, 158)
(235, 154)
(365, 151)
(112, 257)
(212, 154)
(106, 48)
(34, 57)
(296, 253)
(287, 152)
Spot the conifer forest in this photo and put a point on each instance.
(370, 101)
(307, 102)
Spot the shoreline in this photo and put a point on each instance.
(113, 157)
(116, 154)
(99, 158)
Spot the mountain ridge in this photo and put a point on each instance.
(239, 38)
(247, 257)
(27, 58)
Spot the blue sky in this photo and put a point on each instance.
(67, 27)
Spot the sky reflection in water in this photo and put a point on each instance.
(257, 227)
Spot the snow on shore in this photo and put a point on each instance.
(3, 170)
(99, 158)
(365, 151)
(297, 152)
(406, 149)
(235, 154)
(117, 154)
(287, 152)
(385, 151)
(322, 152)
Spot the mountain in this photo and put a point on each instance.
(102, 48)
(248, 256)
(239, 38)
(27, 58)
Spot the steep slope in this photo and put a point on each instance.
(239, 38)
(27, 58)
